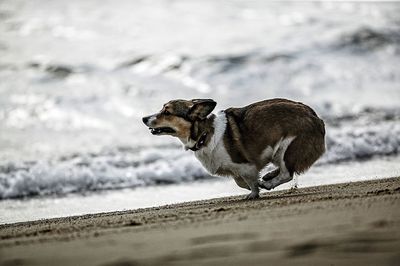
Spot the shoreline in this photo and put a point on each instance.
(343, 223)
(153, 196)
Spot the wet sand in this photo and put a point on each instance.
(344, 224)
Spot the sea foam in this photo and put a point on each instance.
(115, 169)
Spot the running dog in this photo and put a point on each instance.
(240, 142)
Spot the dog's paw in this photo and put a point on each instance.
(252, 196)
(265, 184)
(271, 175)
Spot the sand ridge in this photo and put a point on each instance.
(344, 223)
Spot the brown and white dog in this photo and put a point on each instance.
(240, 142)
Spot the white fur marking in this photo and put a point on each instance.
(188, 143)
(277, 160)
(281, 148)
(151, 119)
(214, 156)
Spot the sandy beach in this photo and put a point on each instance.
(344, 224)
(84, 182)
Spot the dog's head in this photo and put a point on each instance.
(177, 117)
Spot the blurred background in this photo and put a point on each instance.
(77, 76)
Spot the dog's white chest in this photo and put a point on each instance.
(215, 158)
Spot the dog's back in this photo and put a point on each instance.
(264, 124)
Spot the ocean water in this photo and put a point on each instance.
(77, 76)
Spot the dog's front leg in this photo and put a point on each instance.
(252, 182)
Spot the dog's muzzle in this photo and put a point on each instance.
(157, 130)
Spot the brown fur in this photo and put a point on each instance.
(203, 127)
(181, 126)
(253, 128)
(187, 118)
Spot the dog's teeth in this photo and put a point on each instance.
(155, 130)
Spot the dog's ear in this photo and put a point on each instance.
(201, 108)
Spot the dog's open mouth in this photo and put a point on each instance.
(162, 130)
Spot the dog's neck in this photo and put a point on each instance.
(201, 133)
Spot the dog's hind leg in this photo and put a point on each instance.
(252, 182)
(284, 174)
(283, 177)
(271, 175)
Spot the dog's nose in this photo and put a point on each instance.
(145, 119)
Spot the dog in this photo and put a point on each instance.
(240, 142)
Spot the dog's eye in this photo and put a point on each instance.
(166, 112)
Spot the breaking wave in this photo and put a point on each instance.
(109, 170)
(367, 39)
(54, 103)
(130, 168)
